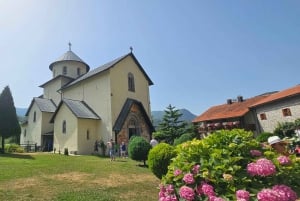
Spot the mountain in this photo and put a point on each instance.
(158, 115)
(21, 111)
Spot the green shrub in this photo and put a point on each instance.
(263, 137)
(159, 158)
(138, 149)
(11, 148)
(183, 138)
(285, 129)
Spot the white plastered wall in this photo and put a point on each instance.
(95, 92)
(86, 143)
(68, 139)
(34, 129)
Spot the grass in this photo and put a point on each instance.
(73, 178)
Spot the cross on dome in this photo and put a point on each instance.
(69, 46)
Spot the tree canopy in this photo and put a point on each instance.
(9, 125)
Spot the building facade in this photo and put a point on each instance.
(283, 106)
(257, 114)
(79, 106)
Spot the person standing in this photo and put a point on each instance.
(96, 146)
(153, 142)
(111, 148)
(123, 150)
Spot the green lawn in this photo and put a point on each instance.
(73, 178)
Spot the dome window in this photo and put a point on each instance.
(64, 70)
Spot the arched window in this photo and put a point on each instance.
(88, 134)
(64, 126)
(78, 71)
(133, 129)
(25, 132)
(64, 70)
(53, 73)
(34, 116)
(131, 82)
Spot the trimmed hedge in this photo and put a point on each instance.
(159, 158)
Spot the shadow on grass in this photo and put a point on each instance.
(17, 155)
(142, 165)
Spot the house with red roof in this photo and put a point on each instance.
(283, 106)
(257, 114)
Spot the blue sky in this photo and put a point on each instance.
(198, 53)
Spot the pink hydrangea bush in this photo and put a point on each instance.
(230, 165)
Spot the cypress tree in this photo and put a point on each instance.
(9, 124)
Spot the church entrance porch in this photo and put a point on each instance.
(47, 142)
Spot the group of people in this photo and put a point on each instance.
(112, 150)
(111, 145)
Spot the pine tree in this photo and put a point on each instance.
(171, 127)
(9, 125)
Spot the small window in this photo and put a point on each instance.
(131, 86)
(64, 126)
(64, 70)
(263, 116)
(25, 132)
(53, 73)
(34, 116)
(78, 71)
(87, 134)
(286, 112)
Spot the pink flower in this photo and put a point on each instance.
(189, 178)
(262, 167)
(196, 169)
(170, 189)
(285, 192)
(167, 193)
(207, 189)
(162, 191)
(170, 198)
(284, 160)
(242, 195)
(177, 172)
(268, 195)
(214, 198)
(255, 152)
(187, 193)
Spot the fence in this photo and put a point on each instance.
(30, 147)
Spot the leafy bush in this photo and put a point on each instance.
(159, 158)
(183, 138)
(229, 165)
(138, 148)
(10, 148)
(285, 129)
(263, 137)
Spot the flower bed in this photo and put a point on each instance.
(230, 165)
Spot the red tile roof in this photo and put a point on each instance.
(279, 95)
(236, 109)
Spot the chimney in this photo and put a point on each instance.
(229, 101)
(240, 99)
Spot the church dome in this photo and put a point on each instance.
(69, 56)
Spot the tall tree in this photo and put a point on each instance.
(9, 124)
(171, 127)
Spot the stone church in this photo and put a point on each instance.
(79, 106)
